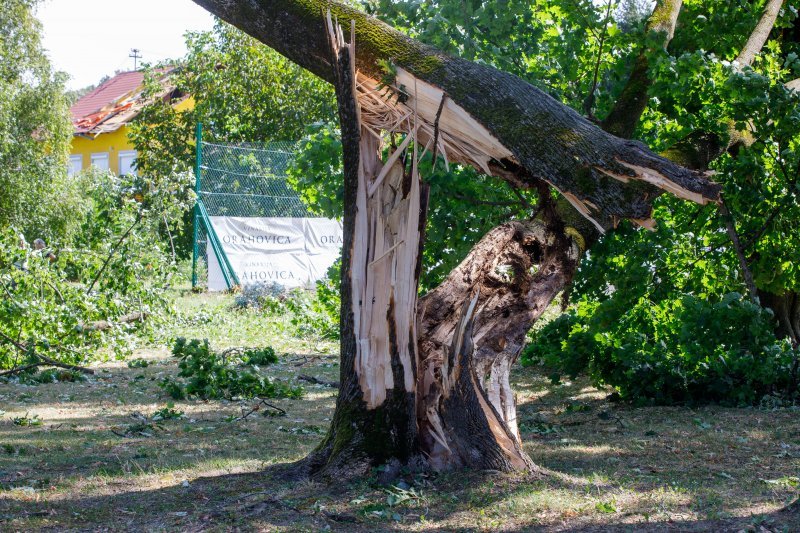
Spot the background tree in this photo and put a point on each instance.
(242, 92)
(36, 197)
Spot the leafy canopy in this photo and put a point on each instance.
(36, 197)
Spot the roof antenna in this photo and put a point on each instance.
(135, 55)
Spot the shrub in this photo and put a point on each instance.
(684, 350)
(260, 295)
(208, 375)
(313, 313)
(259, 356)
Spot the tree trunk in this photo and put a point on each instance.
(453, 403)
(485, 307)
(385, 206)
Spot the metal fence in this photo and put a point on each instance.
(238, 180)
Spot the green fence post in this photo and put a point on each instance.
(198, 161)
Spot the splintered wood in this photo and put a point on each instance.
(460, 137)
(385, 246)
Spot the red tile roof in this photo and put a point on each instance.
(109, 91)
(111, 105)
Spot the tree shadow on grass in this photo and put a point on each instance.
(596, 449)
(281, 496)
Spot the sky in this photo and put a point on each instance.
(89, 39)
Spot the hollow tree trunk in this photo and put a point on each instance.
(466, 408)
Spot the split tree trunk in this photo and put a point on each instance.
(374, 421)
(472, 329)
(451, 403)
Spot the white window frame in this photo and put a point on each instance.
(75, 164)
(101, 156)
(123, 154)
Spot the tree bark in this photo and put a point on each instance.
(490, 117)
(632, 101)
(374, 421)
(487, 305)
(760, 34)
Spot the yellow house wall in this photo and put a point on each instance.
(112, 143)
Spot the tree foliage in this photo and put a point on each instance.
(640, 295)
(36, 196)
(242, 91)
(82, 302)
(205, 374)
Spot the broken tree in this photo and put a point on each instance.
(443, 398)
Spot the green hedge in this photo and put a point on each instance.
(685, 350)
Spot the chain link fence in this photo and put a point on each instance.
(240, 180)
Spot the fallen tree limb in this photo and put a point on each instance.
(19, 369)
(103, 325)
(44, 360)
(318, 381)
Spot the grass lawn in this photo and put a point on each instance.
(93, 458)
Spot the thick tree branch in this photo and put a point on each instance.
(760, 34)
(628, 109)
(489, 115)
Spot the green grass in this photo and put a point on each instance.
(604, 465)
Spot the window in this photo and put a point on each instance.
(75, 164)
(100, 160)
(127, 163)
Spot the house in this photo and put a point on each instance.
(101, 119)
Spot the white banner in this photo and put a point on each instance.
(294, 252)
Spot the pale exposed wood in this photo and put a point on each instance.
(461, 138)
(654, 178)
(648, 224)
(385, 250)
(583, 209)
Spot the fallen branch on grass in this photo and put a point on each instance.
(257, 407)
(19, 369)
(43, 359)
(103, 325)
(318, 381)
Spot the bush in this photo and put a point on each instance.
(259, 356)
(685, 350)
(313, 313)
(209, 375)
(266, 295)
